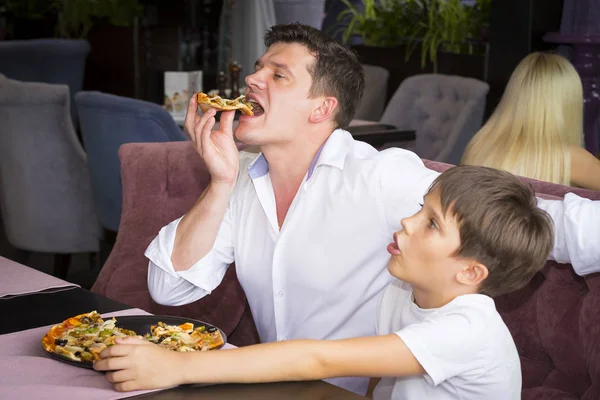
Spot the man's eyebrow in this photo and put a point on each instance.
(258, 64)
(283, 67)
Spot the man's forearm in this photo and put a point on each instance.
(197, 230)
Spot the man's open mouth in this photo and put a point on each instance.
(257, 109)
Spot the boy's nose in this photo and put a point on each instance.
(407, 225)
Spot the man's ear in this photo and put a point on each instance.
(324, 111)
(472, 275)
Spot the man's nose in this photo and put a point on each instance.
(255, 80)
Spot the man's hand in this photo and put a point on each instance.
(136, 364)
(217, 148)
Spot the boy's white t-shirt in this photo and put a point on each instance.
(465, 348)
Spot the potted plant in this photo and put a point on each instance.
(410, 37)
(77, 17)
(433, 25)
(26, 19)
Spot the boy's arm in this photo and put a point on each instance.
(147, 366)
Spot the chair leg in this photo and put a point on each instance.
(21, 256)
(61, 265)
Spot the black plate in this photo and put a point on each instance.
(140, 324)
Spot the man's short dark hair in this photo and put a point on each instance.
(499, 222)
(336, 71)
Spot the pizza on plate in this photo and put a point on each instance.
(185, 337)
(83, 337)
(207, 101)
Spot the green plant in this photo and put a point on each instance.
(26, 9)
(76, 17)
(381, 23)
(447, 25)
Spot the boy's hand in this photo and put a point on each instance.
(136, 364)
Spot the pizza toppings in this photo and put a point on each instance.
(207, 101)
(82, 338)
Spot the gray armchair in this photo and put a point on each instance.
(45, 190)
(445, 111)
(60, 61)
(373, 101)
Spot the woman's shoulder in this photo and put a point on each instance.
(585, 168)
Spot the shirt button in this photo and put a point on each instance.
(280, 293)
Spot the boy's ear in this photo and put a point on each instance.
(472, 275)
(324, 111)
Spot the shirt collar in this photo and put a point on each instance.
(333, 152)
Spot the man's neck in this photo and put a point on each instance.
(289, 163)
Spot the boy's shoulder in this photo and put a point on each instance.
(397, 310)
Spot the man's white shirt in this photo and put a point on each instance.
(321, 276)
(465, 348)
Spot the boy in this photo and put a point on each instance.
(441, 336)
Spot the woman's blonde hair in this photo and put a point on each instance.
(539, 117)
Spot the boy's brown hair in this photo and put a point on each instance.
(499, 222)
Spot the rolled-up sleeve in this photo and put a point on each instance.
(576, 232)
(174, 288)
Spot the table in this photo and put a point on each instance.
(35, 310)
(379, 134)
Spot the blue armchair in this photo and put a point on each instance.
(107, 122)
(57, 61)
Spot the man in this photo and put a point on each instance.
(308, 220)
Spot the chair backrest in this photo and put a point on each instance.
(445, 111)
(45, 190)
(161, 182)
(555, 322)
(373, 101)
(107, 122)
(59, 61)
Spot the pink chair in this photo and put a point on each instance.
(160, 183)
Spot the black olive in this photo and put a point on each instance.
(77, 353)
(160, 340)
(60, 342)
(85, 320)
(211, 329)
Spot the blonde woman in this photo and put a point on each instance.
(537, 129)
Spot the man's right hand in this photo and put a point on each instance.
(217, 148)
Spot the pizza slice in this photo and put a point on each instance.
(83, 337)
(185, 337)
(206, 101)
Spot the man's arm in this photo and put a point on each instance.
(180, 269)
(197, 230)
(142, 365)
(576, 232)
